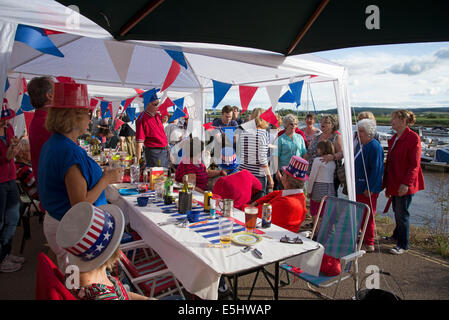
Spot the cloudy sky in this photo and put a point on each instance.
(405, 75)
(392, 76)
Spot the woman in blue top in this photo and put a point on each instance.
(369, 168)
(67, 175)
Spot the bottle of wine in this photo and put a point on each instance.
(168, 185)
(185, 186)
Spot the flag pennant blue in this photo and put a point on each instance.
(131, 112)
(149, 96)
(37, 39)
(178, 113)
(179, 103)
(178, 56)
(220, 90)
(104, 107)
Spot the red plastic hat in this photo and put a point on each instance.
(7, 113)
(70, 95)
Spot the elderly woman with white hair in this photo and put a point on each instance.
(289, 144)
(369, 167)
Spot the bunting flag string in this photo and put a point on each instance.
(179, 103)
(118, 124)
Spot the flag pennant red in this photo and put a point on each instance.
(270, 117)
(186, 112)
(171, 75)
(208, 126)
(246, 95)
(118, 124)
(164, 106)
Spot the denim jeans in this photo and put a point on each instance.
(9, 215)
(402, 217)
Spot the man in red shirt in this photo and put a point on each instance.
(150, 134)
(41, 95)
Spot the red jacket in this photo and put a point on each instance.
(7, 167)
(403, 165)
(288, 212)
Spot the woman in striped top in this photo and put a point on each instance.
(253, 151)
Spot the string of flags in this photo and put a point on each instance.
(38, 39)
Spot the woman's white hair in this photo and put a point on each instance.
(369, 126)
(289, 118)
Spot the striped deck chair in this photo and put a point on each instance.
(338, 233)
(147, 271)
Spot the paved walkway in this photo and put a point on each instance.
(415, 275)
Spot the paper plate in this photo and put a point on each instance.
(128, 192)
(246, 238)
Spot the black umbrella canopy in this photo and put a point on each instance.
(283, 26)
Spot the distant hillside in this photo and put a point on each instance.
(388, 111)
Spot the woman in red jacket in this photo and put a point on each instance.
(402, 175)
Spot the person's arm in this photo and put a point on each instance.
(76, 184)
(139, 151)
(136, 296)
(338, 145)
(412, 166)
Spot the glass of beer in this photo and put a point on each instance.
(250, 218)
(225, 226)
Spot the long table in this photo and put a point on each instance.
(193, 259)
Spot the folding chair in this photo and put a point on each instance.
(50, 281)
(147, 272)
(26, 204)
(338, 231)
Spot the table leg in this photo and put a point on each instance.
(235, 287)
(276, 281)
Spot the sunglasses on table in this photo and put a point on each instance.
(287, 239)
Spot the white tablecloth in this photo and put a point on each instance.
(198, 266)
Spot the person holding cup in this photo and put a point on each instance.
(67, 175)
(288, 205)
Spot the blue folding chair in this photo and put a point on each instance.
(339, 228)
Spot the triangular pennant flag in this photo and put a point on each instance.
(172, 74)
(270, 117)
(273, 94)
(296, 89)
(121, 54)
(208, 126)
(246, 94)
(115, 106)
(220, 90)
(165, 105)
(131, 112)
(229, 132)
(93, 102)
(126, 103)
(179, 103)
(36, 39)
(62, 79)
(118, 124)
(178, 113)
(178, 56)
(6, 85)
(249, 126)
(186, 112)
(104, 107)
(287, 97)
(26, 103)
(149, 96)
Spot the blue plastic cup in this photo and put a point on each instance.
(193, 216)
(142, 201)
